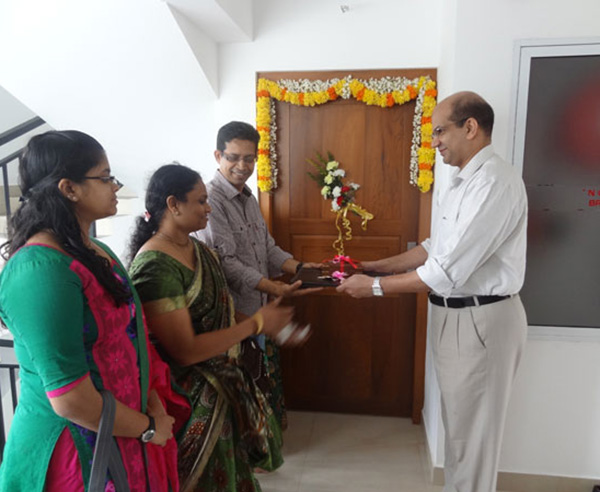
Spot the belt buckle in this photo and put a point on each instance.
(476, 301)
(445, 301)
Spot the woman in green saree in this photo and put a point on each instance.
(190, 316)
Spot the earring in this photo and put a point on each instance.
(73, 198)
(176, 212)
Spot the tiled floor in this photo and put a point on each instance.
(327, 452)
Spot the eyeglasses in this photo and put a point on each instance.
(107, 180)
(233, 158)
(439, 130)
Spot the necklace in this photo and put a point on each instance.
(171, 240)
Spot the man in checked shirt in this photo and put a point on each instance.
(238, 232)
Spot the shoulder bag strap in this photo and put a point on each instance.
(106, 453)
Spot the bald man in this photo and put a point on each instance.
(473, 267)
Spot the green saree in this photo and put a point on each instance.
(232, 428)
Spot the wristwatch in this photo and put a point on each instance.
(377, 290)
(149, 433)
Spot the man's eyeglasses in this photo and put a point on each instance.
(233, 158)
(439, 130)
(107, 180)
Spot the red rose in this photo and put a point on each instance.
(339, 200)
(345, 189)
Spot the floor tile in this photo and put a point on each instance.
(327, 452)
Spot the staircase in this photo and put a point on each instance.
(11, 144)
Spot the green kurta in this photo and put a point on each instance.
(66, 326)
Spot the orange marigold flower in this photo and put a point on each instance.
(263, 152)
(412, 91)
(262, 128)
(431, 92)
(263, 93)
(301, 98)
(425, 166)
(332, 94)
(360, 94)
(389, 99)
(425, 119)
(283, 93)
(426, 145)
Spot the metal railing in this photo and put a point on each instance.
(9, 136)
(13, 370)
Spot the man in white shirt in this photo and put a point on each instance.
(473, 265)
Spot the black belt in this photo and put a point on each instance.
(462, 302)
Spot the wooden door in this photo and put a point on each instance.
(361, 357)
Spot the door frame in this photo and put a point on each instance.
(425, 199)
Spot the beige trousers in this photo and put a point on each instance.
(476, 353)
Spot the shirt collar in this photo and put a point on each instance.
(473, 165)
(230, 191)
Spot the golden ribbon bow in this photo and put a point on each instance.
(342, 224)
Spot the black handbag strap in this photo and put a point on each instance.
(106, 453)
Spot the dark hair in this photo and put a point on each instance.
(473, 106)
(170, 179)
(239, 130)
(46, 160)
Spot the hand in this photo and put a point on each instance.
(293, 290)
(358, 286)
(164, 423)
(164, 429)
(275, 317)
(314, 265)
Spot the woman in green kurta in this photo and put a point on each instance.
(190, 314)
(78, 329)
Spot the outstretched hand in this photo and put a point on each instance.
(313, 265)
(358, 286)
(293, 290)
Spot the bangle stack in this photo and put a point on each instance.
(260, 322)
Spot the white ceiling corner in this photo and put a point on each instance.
(224, 21)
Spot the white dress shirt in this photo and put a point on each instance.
(479, 237)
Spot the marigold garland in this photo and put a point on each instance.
(384, 92)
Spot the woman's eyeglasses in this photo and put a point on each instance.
(107, 180)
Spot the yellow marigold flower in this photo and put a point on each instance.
(426, 132)
(428, 105)
(424, 181)
(265, 185)
(426, 154)
(355, 86)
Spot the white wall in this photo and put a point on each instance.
(121, 71)
(554, 415)
(316, 35)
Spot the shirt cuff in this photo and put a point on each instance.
(426, 244)
(276, 261)
(252, 278)
(435, 277)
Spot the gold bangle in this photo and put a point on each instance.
(260, 322)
